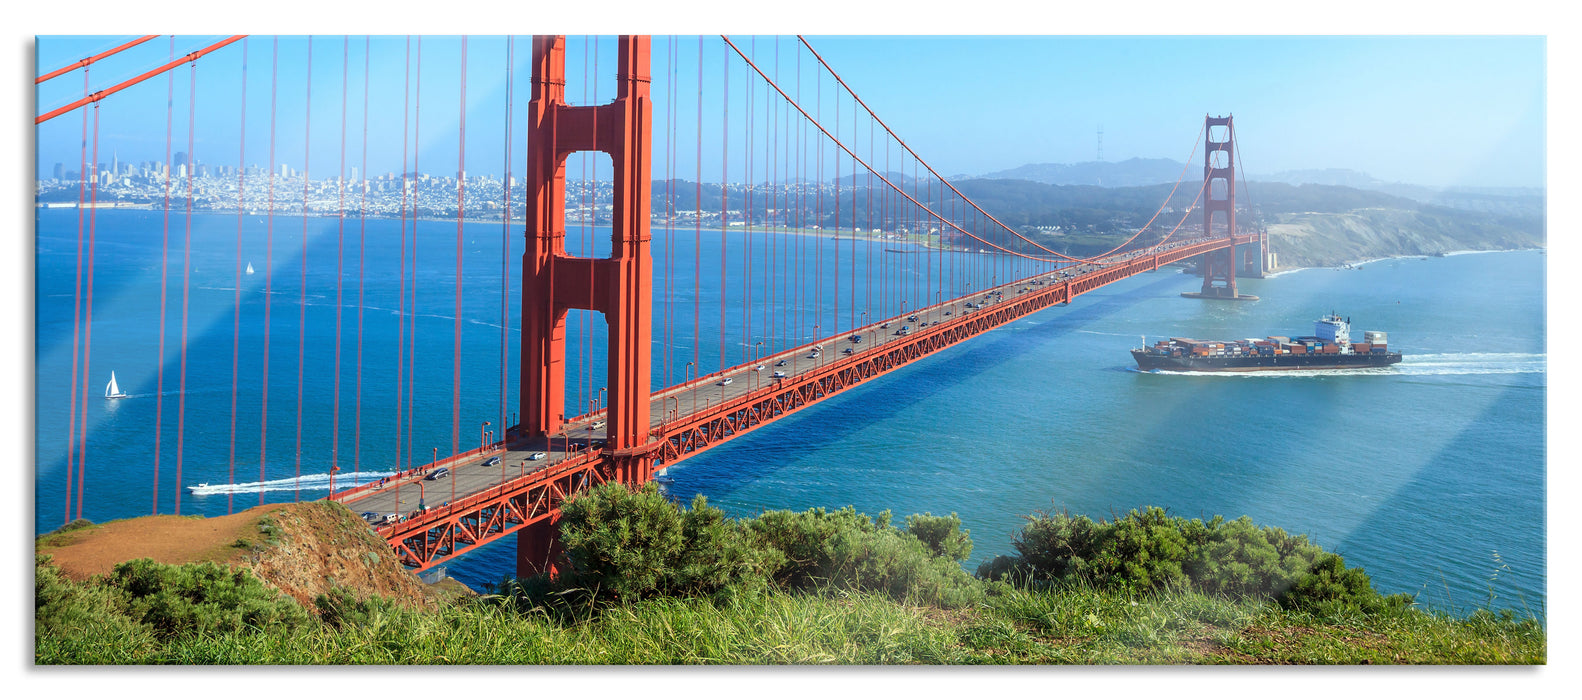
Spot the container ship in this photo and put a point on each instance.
(1329, 347)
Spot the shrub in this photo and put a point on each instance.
(1149, 550)
(633, 544)
(341, 608)
(845, 549)
(200, 598)
(1142, 551)
(942, 534)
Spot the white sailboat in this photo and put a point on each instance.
(249, 268)
(112, 391)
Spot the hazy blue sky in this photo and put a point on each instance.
(1420, 109)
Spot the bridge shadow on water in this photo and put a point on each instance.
(733, 466)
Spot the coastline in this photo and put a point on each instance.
(1359, 263)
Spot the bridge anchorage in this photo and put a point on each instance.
(1219, 197)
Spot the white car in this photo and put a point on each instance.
(759, 368)
(725, 381)
(536, 456)
(779, 375)
(597, 424)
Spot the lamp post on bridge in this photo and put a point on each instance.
(483, 436)
(692, 370)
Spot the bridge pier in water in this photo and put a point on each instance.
(553, 283)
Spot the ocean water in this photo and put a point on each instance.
(1430, 474)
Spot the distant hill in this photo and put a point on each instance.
(1132, 172)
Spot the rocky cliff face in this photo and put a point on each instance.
(1328, 239)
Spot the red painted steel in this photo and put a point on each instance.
(621, 286)
(95, 97)
(1219, 266)
(84, 63)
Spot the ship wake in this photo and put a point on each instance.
(306, 482)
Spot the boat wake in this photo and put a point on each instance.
(307, 482)
(1434, 364)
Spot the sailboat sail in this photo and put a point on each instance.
(249, 268)
(112, 391)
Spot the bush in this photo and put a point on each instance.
(1142, 551)
(201, 598)
(846, 549)
(634, 544)
(341, 608)
(623, 545)
(942, 534)
(1149, 550)
(72, 616)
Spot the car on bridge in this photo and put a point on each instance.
(437, 474)
(758, 368)
(491, 461)
(779, 375)
(539, 455)
(725, 381)
(596, 425)
(781, 363)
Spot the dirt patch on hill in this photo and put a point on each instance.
(303, 549)
(94, 550)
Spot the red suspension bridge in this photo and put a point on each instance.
(842, 256)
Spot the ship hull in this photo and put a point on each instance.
(1264, 363)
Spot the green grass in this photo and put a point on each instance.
(656, 584)
(1012, 626)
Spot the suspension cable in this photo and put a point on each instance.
(84, 63)
(95, 97)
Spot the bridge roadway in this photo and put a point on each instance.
(583, 436)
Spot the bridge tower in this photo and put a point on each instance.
(620, 286)
(1219, 197)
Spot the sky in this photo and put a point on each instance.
(1428, 110)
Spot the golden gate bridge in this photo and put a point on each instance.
(797, 166)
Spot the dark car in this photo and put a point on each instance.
(437, 474)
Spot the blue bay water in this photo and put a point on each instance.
(1430, 474)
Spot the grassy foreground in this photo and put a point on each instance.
(654, 584)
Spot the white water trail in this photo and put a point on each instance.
(307, 482)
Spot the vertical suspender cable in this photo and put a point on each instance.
(269, 265)
(164, 276)
(461, 189)
(505, 244)
(406, 109)
(302, 274)
(411, 357)
(725, 149)
(340, 267)
(236, 294)
(76, 323)
(186, 282)
(697, 234)
(362, 229)
(87, 318)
